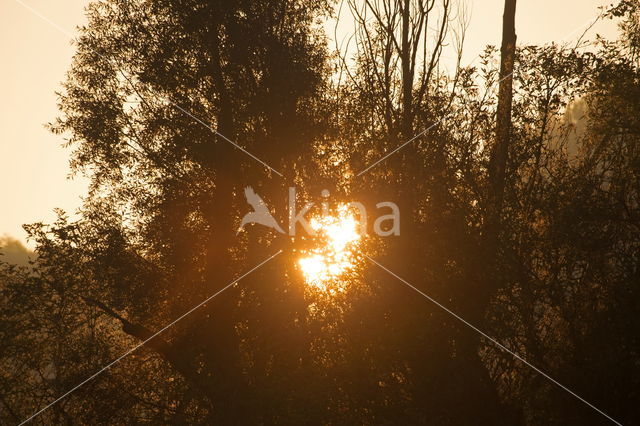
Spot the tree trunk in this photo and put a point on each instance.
(477, 300)
(489, 268)
(500, 152)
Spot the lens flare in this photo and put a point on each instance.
(335, 256)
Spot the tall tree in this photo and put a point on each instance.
(158, 94)
(499, 156)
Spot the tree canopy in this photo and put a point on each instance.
(172, 108)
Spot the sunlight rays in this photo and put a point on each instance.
(336, 253)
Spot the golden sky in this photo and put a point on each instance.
(34, 166)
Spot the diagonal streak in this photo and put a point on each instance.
(67, 33)
(495, 342)
(225, 138)
(139, 345)
(401, 146)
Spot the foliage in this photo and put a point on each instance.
(157, 234)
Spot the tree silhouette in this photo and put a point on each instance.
(517, 182)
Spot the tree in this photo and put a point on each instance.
(532, 241)
(159, 224)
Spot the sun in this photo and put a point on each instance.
(336, 254)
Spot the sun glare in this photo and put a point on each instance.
(335, 255)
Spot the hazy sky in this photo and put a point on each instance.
(34, 166)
